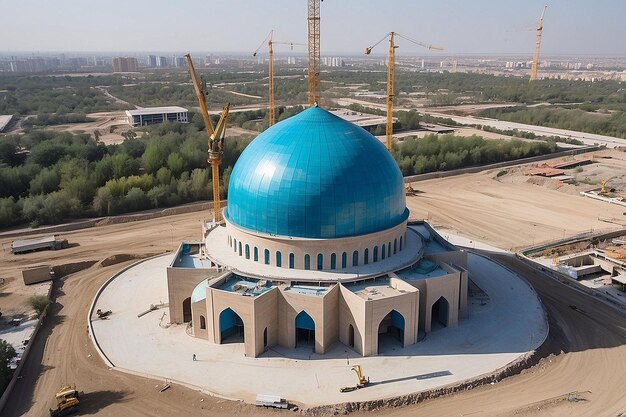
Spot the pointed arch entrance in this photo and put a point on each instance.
(391, 332)
(231, 327)
(305, 330)
(187, 310)
(440, 314)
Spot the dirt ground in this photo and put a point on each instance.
(585, 351)
(510, 210)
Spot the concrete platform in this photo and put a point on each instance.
(499, 330)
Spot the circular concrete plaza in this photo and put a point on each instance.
(505, 321)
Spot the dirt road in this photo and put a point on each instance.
(587, 351)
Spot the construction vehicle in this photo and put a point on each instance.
(103, 314)
(604, 190)
(409, 190)
(67, 401)
(216, 138)
(362, 381)
(270, 46)
(535, 64)
(314, 52)
(390, 76)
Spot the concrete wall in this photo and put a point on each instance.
(243, 307)
(36, 274)
(265, 309)
(180, 284)
(289, 306)
(351, 313)
(446, 286)
(198, 310)
(406, 304)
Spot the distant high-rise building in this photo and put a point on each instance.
(124, 64)
(180, 62)
(152, 61)
(161, 61)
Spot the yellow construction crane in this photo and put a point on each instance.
(270, 44)
(314, 52)
(535, 65)
(216, 138)
(390, 76)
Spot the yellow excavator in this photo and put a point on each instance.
(604, 189)
(361, 383)
(67, 401)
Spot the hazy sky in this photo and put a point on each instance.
(573, 27)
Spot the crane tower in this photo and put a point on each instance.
(535, 65)
(314, 51)
(390, 76)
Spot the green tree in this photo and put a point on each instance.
(7, 352)
(39, 303)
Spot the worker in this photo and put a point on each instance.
(194, 357)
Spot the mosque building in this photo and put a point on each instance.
(316, 249)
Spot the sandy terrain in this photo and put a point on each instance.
(588, 343)
(507, 209)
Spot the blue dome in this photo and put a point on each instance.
(316, 175)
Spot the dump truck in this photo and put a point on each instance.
(67, 401)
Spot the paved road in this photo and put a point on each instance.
(586, 138)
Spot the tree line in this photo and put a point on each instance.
(50, 177)
(447, 152)
(609, 123)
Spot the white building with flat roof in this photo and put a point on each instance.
(152, 115)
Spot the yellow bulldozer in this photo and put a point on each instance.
(67, 401)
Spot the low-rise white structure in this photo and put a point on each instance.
(152, 115)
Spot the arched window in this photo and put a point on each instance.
(202, 323)
(247, 251)
(267, 256)
(333, 260)
(400, 242)
(230, 240)
(292, 260)
(395, 246)
(355, 258)
(366, 256)
(235, 245)
(382, 251)
(389, 249)
(279, 258)
(375, 254)
(320, 261)
(307, 261)
(240, 249)
(344, 260)
(256, 254)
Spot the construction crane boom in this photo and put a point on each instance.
(391, 76)
(535, 64)
(215, 136)
(270, 44)
(200, 95)
(314, 52)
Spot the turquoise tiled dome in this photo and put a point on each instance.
(316, 175)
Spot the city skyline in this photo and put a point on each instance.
(574, 28)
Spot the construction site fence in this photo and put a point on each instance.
(31, 341)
